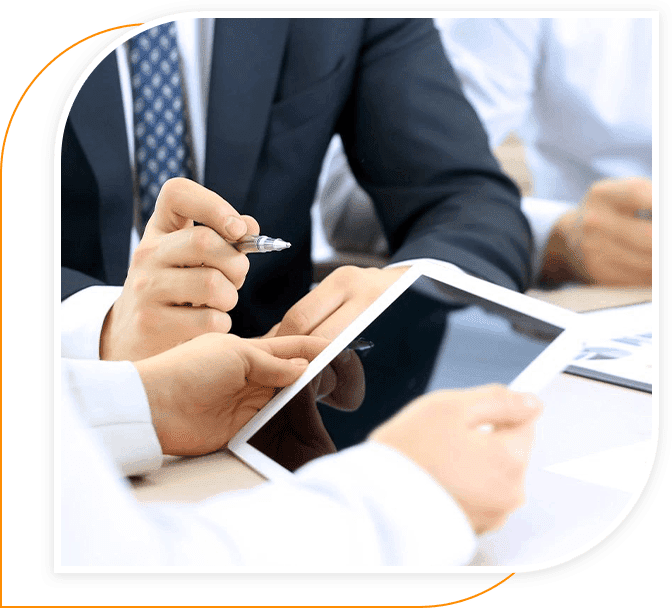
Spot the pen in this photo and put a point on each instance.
(253, 243)
(360, 345)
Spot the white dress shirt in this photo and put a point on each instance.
(357, 511)
(121, 416)
(577, 91)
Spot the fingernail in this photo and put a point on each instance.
(235, 227)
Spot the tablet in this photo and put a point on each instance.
(492, 334)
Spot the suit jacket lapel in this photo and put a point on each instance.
(246, 60)
(97, 118)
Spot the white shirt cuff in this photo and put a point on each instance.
(542, 215)
(82, 317)
(111, 399)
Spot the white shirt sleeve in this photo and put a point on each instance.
(111, 400)
(82, 317)
(357, 511)
(497, 61)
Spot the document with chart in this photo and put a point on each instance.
(622, 350)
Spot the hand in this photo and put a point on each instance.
(296, 434)
(483, 470)
(202, 392)
(337, 301)
(603, 241)
(341, 384)
(183, 279)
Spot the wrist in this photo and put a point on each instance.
(103, 350)
(160, 394)
(562, 256)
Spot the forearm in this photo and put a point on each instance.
(437, 187)
(481, 230)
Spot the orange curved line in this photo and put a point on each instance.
(471, 597)
(2, 151)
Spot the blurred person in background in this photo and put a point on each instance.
(577, 93)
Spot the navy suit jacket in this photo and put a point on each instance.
(279, 90)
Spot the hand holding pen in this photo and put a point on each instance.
(185, 274)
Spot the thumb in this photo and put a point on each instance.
(498, 406)
(268, 370)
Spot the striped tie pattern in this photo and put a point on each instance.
(162, 142)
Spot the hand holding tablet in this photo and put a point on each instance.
(495, 336)
(484, 473)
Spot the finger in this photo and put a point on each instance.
(267, 370)
(183, 201)
(615, 271)
(337, 321)
(200, 286)
(185, 323)
(626, 195)
(326, 382)
(349, 389)
(501, 407)
(630, 233)
(287, 347)
(202, 246)
(251, 223)
(190, 322)
(311, 311)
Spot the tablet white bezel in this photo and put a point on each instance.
(552, 361)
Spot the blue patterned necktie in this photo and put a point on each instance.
(162, 141)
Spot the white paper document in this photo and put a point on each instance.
(621, 349)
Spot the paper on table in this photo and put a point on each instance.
(625, 468)
(621, 349)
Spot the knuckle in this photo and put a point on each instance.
(212, 281)
(216, 321)
(296, 322)
(202, 239)
(343, 276)
(139, 284)
(174, 185)
(144, 252)
(592, 219)
(239, 270)
(499, 392)
(170, 190)
(229, 296)
(220, 214)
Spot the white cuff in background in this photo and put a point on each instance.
(82, 317)
(542, 215)
(111, 399)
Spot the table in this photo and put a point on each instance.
(593, 451)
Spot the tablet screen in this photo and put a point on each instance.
(479, 342)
